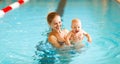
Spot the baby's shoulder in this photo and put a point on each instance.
(84, 32)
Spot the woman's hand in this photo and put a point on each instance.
(61, 37)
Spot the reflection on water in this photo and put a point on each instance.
(47, 54)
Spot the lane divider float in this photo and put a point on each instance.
(11, 7)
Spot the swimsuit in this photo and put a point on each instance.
(61, 43)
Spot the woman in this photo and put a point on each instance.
(57, 35)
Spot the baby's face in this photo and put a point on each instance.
(76, 26)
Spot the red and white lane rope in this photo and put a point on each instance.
(11, 7)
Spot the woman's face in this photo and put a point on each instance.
(56, 23)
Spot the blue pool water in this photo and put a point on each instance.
(23, 32)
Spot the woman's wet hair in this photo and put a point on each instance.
(51, 16)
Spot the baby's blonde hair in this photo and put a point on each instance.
(76, 20)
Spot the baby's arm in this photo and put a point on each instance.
(67, 41)
(88, 36)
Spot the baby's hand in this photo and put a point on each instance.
(90, 40)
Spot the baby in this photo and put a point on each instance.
(77, 33)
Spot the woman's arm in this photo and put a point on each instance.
(53, 40)
(67, 41)
(66, 32)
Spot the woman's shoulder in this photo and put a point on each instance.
(51, 34)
